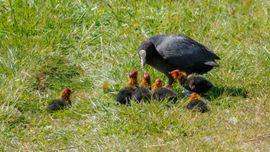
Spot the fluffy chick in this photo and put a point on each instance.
(143, 93)
(61, 103)
(161, 93)
(125, 94)
(193, 82)
(196, 103)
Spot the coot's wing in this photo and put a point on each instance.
(182, 52)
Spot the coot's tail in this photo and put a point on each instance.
(211, 63)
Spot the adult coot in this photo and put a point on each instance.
(161, 93)
(125, 94)
(193, 82)
(143, 93)
(61, 103)
(169, 52)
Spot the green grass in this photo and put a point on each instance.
(82, 44)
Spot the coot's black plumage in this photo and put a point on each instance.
(196, 104)
(125, 94)
(169, 52)
(63, 102)
(193, 82)
(161, 93)
(143, 93)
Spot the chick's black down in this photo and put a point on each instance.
(141, 94)
(165, 93)
(124, 95)
(196, 83)
(58, 104)
(197, 105)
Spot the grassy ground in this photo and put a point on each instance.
(82, 44)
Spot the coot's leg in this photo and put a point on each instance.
(170, 79)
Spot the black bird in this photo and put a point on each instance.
(63, 102)
(193, 82)
(161, 93)
(143, 93)
(196, 103)
(169, 52)
(125, 94)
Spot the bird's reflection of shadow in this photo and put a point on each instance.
(217, 91)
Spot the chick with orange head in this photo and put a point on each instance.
(125, 94)
(197, 104)
(193, 82)
(61, 103)
(146, 81)
(143, 93)
(161, 93)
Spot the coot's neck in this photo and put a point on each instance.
(154, 59)
(153, 53)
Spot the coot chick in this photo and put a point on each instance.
(193, 82)
(169, 52)
(196, 103)
(161, 93)
(61, 103)
(143, 93)
(125, 94)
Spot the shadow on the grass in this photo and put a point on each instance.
(217, 91)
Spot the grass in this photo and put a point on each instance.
(82, 44)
